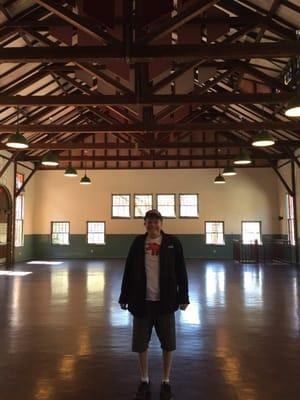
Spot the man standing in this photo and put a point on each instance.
(154, 286)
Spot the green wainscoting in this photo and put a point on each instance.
(25, 252)
(39, 247)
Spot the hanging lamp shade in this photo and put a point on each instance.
(70, 171)
(17, 141)
(85, 180)
(293, 107)
(242, 159)
(229, 171)
(219, 179)
(263, 139)
(50, 159)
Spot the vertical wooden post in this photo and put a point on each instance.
(294, 190)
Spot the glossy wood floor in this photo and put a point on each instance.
(63, 335)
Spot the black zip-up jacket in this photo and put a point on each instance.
(173, 279)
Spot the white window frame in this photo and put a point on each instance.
(62, 233)
(147, 207)
(196, 206)
(19, 222)
(96, 232)
(211, 243)
(158, 206)
(290, 219)
(260, 232)
(116, 205)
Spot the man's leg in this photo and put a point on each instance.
(165, 329)
(143, 391)
(142, 328)
(167, 363)
(143, 365)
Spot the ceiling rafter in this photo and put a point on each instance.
(158, 99)
(90, 54)
(154, 127)
(78, 21)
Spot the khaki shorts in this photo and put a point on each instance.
(164, 326)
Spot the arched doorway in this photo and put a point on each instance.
(5, 226)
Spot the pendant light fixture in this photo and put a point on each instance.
(263, 139)
(229, 171)
(85, 180)
(70, 171)
(17, 140)
(219, 179)
(242, 159)
(50, 159)
(293, 105)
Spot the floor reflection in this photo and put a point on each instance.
(59, 285)
(215, 285)
(253, 286)
(238, 339)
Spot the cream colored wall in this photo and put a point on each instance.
(29, 194)
(251, 195)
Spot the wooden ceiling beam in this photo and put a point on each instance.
(45, 24)
(192, 165)
(79, 22)
(153, 127)
(171, 24)
(275, 25)
(143, 145)
(180, 157)
(102, 100)
(206, 51)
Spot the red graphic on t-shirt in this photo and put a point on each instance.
(154, 248)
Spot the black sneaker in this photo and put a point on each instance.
(143, 391)
(165, 391)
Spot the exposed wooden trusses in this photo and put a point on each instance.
(188, 89)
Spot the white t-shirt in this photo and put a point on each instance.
(152, 248)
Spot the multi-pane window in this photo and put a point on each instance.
(251, 232)
(142, 203)
(290, 219)
(96, 232)
(121, 205)
(19, 223)
(188, 205)
(19, 216)
(60, 232)
(166, 205)
(214, 232)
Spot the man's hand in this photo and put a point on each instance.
(183, 306)
(124, 306)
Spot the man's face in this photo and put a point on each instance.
(153, 226)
